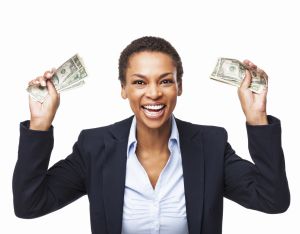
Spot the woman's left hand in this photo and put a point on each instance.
(253, 104)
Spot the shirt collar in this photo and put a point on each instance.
(174, 137)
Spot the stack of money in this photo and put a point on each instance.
(232, 71)
(68, 76)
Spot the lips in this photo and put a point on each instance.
(154, 111)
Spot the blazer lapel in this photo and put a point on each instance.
(193, 173)
(114, 172)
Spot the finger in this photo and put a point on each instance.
(36, 81)
(249, 64)
(48, 74)
(55, 96)
(42, 80)
(262, 74)
(32, 82)
(247, 81)
(265, 90)
(246, 61)
(51, 89)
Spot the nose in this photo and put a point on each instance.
(153, 91)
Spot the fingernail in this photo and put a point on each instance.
(43, 83)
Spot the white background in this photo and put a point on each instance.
(37, 35)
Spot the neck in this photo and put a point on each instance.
(153, 139)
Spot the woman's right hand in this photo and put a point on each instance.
(42, 114)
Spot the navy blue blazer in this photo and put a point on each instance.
(97, 167)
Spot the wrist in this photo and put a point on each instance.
(261, 119)
(39, 125)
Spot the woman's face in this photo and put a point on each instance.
(151, 87)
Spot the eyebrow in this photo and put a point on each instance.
(161, 76)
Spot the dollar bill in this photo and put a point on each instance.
(232, 71)
(73, 86)
(69, 75)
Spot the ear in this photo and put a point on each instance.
(179, 88)
(123, 92)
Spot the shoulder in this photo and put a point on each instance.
(206, 131)
(117, 129)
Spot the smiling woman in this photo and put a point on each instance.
(152, 173)
(152, 88)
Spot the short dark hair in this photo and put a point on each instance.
(151, 44)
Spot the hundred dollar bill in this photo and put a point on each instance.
(232, 71)
(66, 77)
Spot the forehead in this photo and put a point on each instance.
(150, 61)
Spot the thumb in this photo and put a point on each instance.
(246, 81)
(51, 89)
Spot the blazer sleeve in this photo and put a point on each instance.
(38, 190)
(263, 185)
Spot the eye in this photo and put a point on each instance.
(167, 81)
(138, 82)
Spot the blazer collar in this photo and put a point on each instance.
(120, 130)
(114, 172)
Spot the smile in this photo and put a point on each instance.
(154, 111)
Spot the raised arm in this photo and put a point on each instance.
(263, 185)
(37, 189)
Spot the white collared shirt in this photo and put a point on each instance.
(160, 210)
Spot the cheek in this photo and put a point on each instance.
(172, 95)
(134, 98)
(174, 101)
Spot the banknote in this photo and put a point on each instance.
(73, 86)
(232, 71)
(69, 75)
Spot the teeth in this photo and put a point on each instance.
(154, 107)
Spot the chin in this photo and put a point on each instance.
(154, 123)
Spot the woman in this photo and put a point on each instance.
(152, 173)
